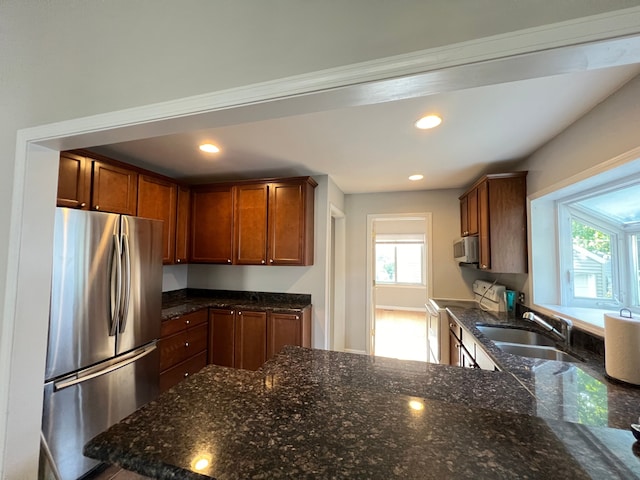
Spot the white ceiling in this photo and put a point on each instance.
(374, 148)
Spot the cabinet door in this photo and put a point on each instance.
(454, 350)
(212, 224)
(283, 329)
(250, 224)
(114, 189)
(157, 199)
(483, 226)
(472, 212)
(176, 374)
(251, 340)
(183, 214)
(464, 216)
(221, 337)
(74, 181)
(291, 223)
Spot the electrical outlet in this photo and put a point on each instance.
(521, 298)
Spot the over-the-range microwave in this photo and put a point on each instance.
(465, 250)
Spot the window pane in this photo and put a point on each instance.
(409, 263)
(635, 239)
(385, 263)
(592, 274)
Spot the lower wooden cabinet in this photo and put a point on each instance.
(183, 347)
(246, 339)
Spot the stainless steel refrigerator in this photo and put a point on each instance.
(102, 360)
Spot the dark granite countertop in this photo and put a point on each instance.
(328, 415)
(576, 392)
(181, 302)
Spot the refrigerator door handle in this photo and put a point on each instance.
(126, 258)
(94, 372)
(116, 286)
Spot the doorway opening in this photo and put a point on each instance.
(399, 259)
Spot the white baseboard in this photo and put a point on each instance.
(351, 350)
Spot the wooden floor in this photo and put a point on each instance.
(401, 334)
(115, 473)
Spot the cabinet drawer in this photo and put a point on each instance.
(178, 324)
(179, 347)
(181, 371)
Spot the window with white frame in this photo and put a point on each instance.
(599, 246)
(399, 259)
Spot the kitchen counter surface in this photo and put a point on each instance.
(576, 392)
(175, 304)
(318, 414)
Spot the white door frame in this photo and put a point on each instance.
(336, 280)
(546, 50)
(370, 310)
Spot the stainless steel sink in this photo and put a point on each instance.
(515, 335)
(536, 351)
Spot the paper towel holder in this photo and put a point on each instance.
(625, 310)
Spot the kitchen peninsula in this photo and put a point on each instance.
(318, 414)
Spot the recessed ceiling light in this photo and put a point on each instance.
(416, 177)
(209, 148)
(429, 121)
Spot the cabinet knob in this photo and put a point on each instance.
(262, 262)
(83, 204)
(239, 313)
(187, 322)
(186, 374)
(228, 260)
(97, 207)
(483, 266)
(231, 312)
(186, 344)
(297, 317)
(178, 260)
(271, 261)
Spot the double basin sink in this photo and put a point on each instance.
(525, 343)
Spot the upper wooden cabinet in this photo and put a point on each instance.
(183, 216)
(114, 188)
(469, 213)
(291, 210)
(157, 199)
(254, 223)
(501, 220)
(74, 181)
(250, 219)
(212, 224)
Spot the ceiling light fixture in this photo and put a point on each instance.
(429, 121)
(416, 177)
(209, 148)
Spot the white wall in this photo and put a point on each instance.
(70, 58)
(448, 282)
(607, 131)
(174, 277)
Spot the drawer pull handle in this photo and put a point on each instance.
(186, 344)
(187, 322)
(186, 374)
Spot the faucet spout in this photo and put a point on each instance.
(565, 335)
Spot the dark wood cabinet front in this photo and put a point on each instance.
(183, 347)
(212, 224)
(291, 206)
(222, 337)
(283, 329)
(157, 200)
(250, 218)
(183, 215)
(250, 340)
(74, 181)
(114, 189)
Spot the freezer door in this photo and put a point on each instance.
(142, 282)
(84, 246)
(74, 413)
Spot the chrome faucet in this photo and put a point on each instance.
(566, 326)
